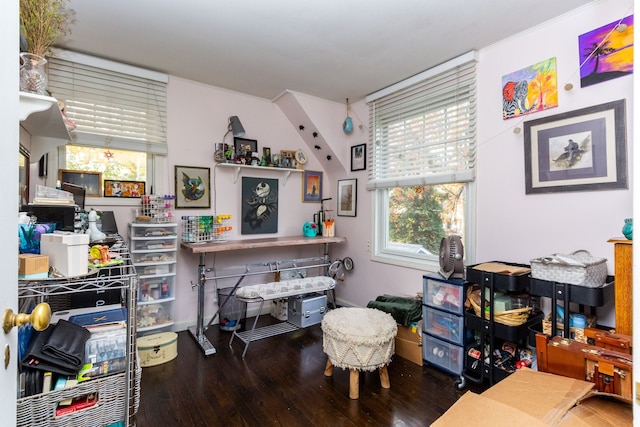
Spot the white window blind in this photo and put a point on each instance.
(423, 131)
(111, 108)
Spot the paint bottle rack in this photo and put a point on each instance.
(158, 208)
(206, 228)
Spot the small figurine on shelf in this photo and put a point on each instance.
(95, 235)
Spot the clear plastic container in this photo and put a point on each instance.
(43, 192)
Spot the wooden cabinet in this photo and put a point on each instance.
(623, 253)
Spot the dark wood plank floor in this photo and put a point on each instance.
(280, 382)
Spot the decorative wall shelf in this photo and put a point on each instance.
(41, 118)
(238, 168)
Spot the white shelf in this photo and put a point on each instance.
(237, 168)
(155, 276)
(156, 301)
(165, 237)
(151, 251)
(154, 327)
(41, 118)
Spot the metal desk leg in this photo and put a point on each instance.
(198, 331)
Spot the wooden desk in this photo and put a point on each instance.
(623, 253)
(232, 245)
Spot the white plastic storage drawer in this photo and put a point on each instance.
(442, 354)
(153, 257)
(444, 295)
(154, 231)
(442, 324)
(154, 244)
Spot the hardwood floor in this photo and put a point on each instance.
(280, 382)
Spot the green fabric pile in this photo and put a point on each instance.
(404, 310)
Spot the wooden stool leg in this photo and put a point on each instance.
(384, 377)
(328, 369)
(354, 384)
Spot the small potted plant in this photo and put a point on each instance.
(41, 23)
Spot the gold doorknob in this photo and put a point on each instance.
(39, 318)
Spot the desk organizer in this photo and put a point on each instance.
(206, 228)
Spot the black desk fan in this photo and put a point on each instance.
(451, 255)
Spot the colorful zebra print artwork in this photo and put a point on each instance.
(531, 89)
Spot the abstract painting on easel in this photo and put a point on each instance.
(531, 89)
(607, 52)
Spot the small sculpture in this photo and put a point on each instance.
(95, 235)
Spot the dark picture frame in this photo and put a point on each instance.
(243, 145)
(359, 157)
(312, 186)
(259, 205)
(347, 197)
(582, 150)
(91, 181)
(124, 189)
(193, 187)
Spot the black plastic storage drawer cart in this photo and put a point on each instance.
(489, 332)
(443, 337)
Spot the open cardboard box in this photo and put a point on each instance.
(532, 398)
(409, 343)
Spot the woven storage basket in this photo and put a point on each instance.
(515, 317)
(40, 409)
(577, 268)
(576, 334)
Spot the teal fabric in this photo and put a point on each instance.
(404, 310)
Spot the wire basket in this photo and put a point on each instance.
(157, 209)
(205, 228)
(515, 317)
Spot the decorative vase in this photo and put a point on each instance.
(33, 76)
(627, 230)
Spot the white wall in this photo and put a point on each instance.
(519, 226)
(197, 119)
(511, 225)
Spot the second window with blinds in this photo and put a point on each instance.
(422, 157)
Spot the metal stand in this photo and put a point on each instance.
(197, 331)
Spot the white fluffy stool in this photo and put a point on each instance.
(358, 339)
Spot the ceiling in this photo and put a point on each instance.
(333, 49)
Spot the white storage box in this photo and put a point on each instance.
(68, 253)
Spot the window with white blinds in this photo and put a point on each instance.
(111, 108)
(423, 130)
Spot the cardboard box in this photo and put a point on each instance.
(32, 266)
(409, 344)
(68, 253)
(538, 399)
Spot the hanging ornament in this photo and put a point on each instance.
(108, 154)
(347, 126)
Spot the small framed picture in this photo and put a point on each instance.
(347, 197)
(288, 159)
(192, 187)
(359, 157)
(91, 181)
(242, 146)
(312, 186)
(124, 189)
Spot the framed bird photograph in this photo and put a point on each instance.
(581, 150)
(193, 187)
